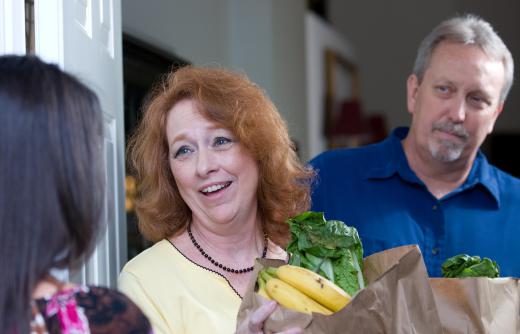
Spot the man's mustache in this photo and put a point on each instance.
(452, 128)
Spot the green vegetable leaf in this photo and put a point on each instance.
(463, 265)
(330, 248)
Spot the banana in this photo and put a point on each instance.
(290, 297)
(313, 285)
(261, 288)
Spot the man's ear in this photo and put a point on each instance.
(497, 113)
(412, 86)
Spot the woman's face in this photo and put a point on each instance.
(216, 176)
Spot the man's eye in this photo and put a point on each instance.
(219, 141)
(478, 100)
(442, 89)
(183, 150)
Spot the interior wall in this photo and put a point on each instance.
(386, 36)
(289, 86)
(268, 43)
(319, 37)
(264, 39)
(196, 30)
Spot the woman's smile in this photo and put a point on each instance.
(216, 176)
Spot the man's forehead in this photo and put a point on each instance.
(464, 62)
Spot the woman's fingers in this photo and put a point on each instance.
(256, 321)
(294, 330)
(255, 324)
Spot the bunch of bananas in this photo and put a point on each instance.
(302, 290)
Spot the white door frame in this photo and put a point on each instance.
(12, 27)
(84, 38)
(48, 37)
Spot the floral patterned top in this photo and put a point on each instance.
(86, 309)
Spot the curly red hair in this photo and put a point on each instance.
(234, 102)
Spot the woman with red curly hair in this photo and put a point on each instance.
(217, 178)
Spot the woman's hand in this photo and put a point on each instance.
(255, 323)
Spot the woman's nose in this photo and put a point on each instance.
(206, 162)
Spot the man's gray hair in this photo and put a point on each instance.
(467, 29)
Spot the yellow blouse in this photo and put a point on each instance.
(179, 296)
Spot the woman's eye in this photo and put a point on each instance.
(183, 150)
(219, 141)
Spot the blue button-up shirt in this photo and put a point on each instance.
(373, 189)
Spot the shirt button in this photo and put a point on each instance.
(434, 207)
(435, 251)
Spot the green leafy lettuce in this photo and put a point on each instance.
(463, 265)
(329, 248)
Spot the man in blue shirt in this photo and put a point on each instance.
(429, 184)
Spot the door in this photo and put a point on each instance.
(84, 38)
(12, 27)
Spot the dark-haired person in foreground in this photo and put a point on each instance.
(52, 189)
(430, 184)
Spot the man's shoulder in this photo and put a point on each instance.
(350, 156)
(504, 186)
(507, 180)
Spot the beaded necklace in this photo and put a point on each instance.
(217, 264)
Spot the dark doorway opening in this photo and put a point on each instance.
(143, 66)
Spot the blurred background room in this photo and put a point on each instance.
(336, 70)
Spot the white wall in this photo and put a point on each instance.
(386, 35)
(289, 87)
(320, 36)
(196, 30)
(268, 43)
(263, 38)
(250, 28)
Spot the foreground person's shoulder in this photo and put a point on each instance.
(110, 311)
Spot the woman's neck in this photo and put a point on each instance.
(48, 286)
(232, 240)
(44, 288)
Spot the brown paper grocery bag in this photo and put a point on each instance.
(398, 299)
(478, 305)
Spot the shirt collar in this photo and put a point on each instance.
(484, 174)
(393, 161)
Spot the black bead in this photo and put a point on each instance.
(235, 271)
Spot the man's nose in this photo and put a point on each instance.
(457, 111)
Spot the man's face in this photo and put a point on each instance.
(457, 103)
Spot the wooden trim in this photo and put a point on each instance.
(332, 61)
